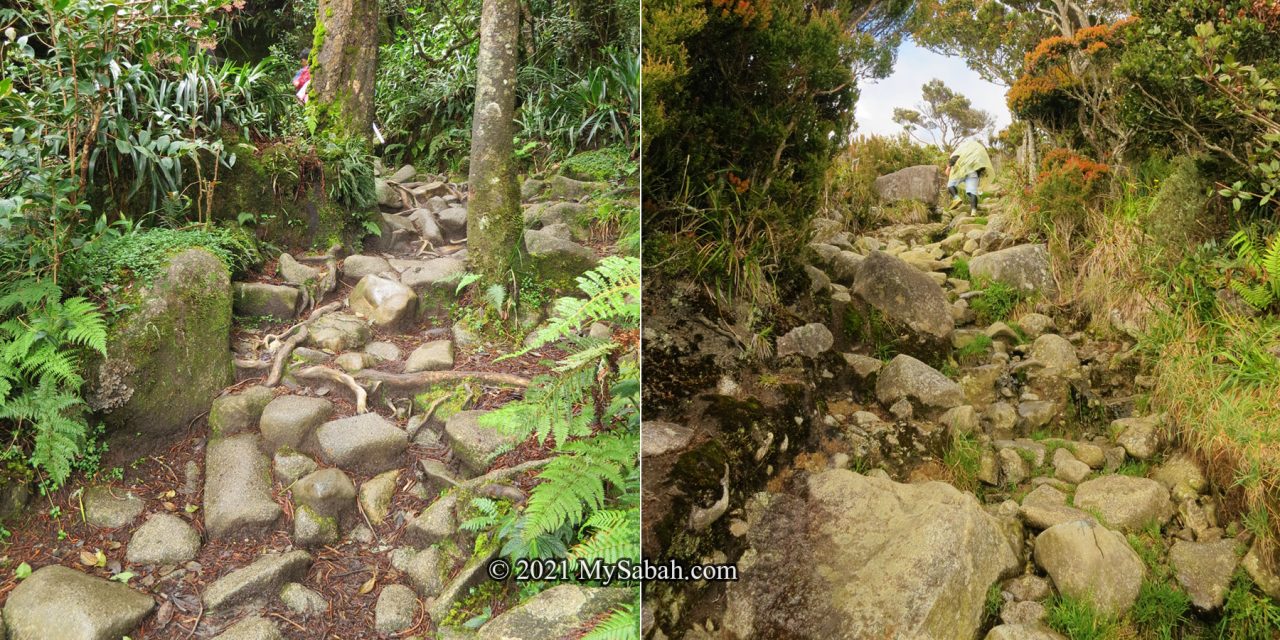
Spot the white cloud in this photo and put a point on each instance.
(916, 66)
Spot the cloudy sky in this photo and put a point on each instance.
(916, 66)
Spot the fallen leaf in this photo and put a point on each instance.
(101, 558)
(23, 571)
(123, 576)
(169, 494)
(169, 506)
(165, 614)
(369, 584)
(88, 558)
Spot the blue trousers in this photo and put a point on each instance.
(970, 182)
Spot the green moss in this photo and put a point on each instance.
(454, 396)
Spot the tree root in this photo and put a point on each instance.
(318, 372)
(282, 356)
(407, 381)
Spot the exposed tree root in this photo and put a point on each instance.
(282, 356)
(408, 381)
(318, 372)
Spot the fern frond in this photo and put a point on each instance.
(615, 534)
(27, 293)
(1258, 296)
(571, 485)
(623, 623)
(549, 407)
(613, 292)
(87, 327)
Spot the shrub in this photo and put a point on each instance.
(1069, 186)
(1078, 620)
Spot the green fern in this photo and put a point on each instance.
(615, 534)
(1263, 261)
(623, 623)
(41, 337)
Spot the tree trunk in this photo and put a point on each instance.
(344, 58)
(493, 209)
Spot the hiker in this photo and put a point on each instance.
(969, 164)
(302, 80)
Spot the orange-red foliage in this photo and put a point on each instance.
(757, 12)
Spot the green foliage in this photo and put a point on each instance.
(622, 623)
(1261, 262)
(106, 265)
(608, 163)
(960, 268)
(974, 349)
(41, 339)
(1078, 620)
(991, 37)
(1248, 615)
(1161, 610)
(586, 504)
(963, 458)
(996, 303)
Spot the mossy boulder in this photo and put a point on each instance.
(169, 356)
(557, 260)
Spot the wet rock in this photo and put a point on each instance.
(1129, 504)
(386, 303)
(558, 612)
(163, 539)
(436, 355)
(396, 609)
(846, 561)
(262, 299)
(253, 627)
(367, 443)
(287, 421)
(74, 604)
(926, 388)
(111, 508)
(810, 340)
(1024, 267)
(237, 489)
(356, 267)
(1090, 562)
(428, 570)
(1204, 570)
(473, 444)
(905, 297)
(302, 600)
(256, 582)
(238, 412)
(338, 332)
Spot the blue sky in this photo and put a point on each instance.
(916, 66)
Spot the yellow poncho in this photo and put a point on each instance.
(971, 156)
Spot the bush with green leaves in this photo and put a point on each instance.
(1260, 261)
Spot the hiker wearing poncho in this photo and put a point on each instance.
(969, 164)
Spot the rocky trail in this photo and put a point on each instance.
(910, 467)
(321, 495)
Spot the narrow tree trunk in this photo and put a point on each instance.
(493, 209)
(344, 58)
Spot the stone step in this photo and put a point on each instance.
(256, 582)
(238, 493)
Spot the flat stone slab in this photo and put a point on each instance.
(475, 445)
(1126, 503)
(555, 613)
(60, 603)
(232, 414)
(251, 628)
(366, 443)
(436, 355)
(260, 580)
(111, 508)
(338, 332)
(163, 539)
(287, 421)
(1204, 570)
(237, 488)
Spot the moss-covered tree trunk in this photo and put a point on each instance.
(493, 216)
(344, 58)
